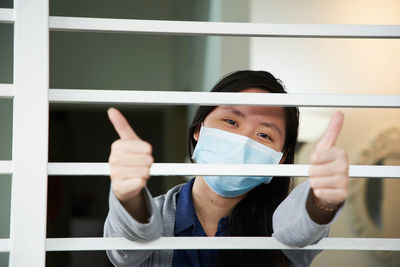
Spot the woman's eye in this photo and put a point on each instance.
(263, 135)
(234, 123)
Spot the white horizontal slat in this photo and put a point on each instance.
(186, 169)
(223, 28)
(167, 243)
(4, 245)
(209, 98)
(7, 15)
(6, 90)
(6, 167)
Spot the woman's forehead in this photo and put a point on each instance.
(261, 111)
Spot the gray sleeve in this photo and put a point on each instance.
(293, 226)
(119, 223)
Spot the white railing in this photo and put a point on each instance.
(28, 243)
(186, 169)
(7, 15)
(30, 132)
(167, 243)
(223, 28)
(208, 98)
(6, 90)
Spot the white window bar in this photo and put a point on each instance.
(6, 90)
(7, 15)
(6, 167)
(166, 243)
(30, 134)
(210, 98)
(4, 245)
(186, 169)
(222, 28)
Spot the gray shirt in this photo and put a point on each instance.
(291, 225)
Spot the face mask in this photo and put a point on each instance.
(221, 147)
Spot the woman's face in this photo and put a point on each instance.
(263, 124)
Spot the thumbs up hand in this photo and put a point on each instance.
(130, 159)
(328, 173)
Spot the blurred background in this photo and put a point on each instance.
(77, 206)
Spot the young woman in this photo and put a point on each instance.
(223, 205)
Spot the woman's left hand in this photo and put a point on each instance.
(329, 178)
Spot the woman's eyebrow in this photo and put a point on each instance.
(235, 111)
(271, 125)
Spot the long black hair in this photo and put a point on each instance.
(252, 216)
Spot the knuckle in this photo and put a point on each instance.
(112, 160)
(149, 160)
(343, 167)
(342, 153)
(315, 156)
(116, 145)
(313, 183)
(118, 190)
(147, 148)
(343, 195)
(143, 183)
(113, 173)
(139, 184)
(312, 171)
(319, 193)
(146, 173)
(140, 172)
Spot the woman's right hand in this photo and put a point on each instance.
(130, 160)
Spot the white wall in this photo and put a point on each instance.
(348, 66)
(225, 54)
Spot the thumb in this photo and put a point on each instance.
(332, 132)
(121, 125)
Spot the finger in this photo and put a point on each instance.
(322, 156)
(121, 125)
(130, 173)
(125, 159)
(125, 189)
(131, 146)
(328, 169)
(332, 196)
(332, 132)
(326, 155)
(134, 173)
(331, 182)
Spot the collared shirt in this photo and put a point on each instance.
(187, 224)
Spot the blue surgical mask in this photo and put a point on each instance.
(216, 146)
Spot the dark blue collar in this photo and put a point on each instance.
(184, 208)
